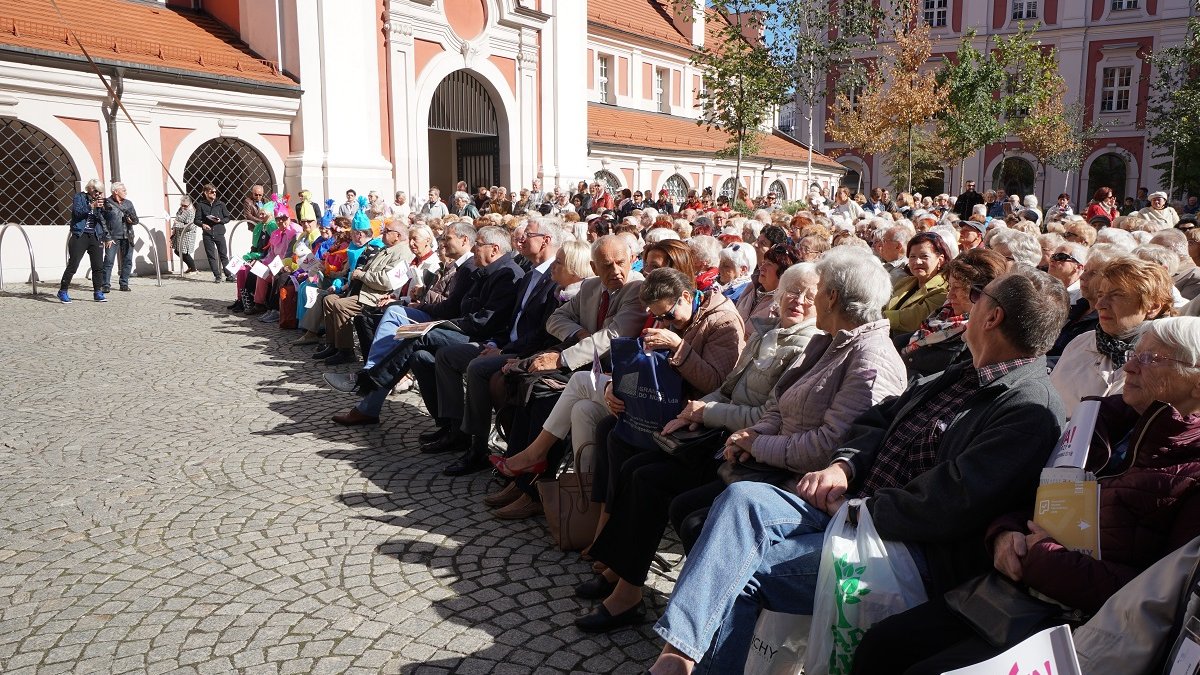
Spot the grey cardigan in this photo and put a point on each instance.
(839, 378)
(742, 398)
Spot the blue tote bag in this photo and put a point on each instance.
(651, 389)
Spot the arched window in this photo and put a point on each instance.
(728, 188)
(37, 177)
(1108, 170)
(677, 186)
(1015, 176)
(612, 185)
(230, 165)
(779, 189)
(852, 180)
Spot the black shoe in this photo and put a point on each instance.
(325, 353)
(217, 280)
(431, 436)
(232, 280)
(339, 357)
(106, 289)
(600, 621)
(453, 441)
(469, 463)
(598, 588)
(125, 288)
(235, 307)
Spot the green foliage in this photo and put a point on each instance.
(1174, 110)
(973, 116)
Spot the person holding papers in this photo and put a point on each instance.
(1145, 452)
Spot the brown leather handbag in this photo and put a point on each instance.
(571, 515)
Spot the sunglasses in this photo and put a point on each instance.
(1064, 257)
(977, 292)
(668, 315)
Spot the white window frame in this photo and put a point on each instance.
(1023, 10)
(604, 78)
(662, 79)
(1122, 5)
(1116, 95)
(936, 13)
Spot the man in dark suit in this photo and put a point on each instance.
(486, 311)
(465, 421)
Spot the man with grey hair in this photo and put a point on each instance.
(465, 416)
(1187, 275)
(484, 316)
(89, 235)
(463, 205)
(936, 465)
(120, 217)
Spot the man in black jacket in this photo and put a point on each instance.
(212, 215)
(967, 201)
(937, 464)
(120, 216)
(485, 314)
(464, 421)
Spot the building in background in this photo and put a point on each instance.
(1101, 46)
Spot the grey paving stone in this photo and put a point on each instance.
(176, 500)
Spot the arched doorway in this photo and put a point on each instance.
(233, 167)
(1015, 176)
(728, 189)
(1108, 170)
(37, 176)
(851, 179)
(464, 134)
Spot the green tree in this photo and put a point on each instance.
(1174, 111)
(1081, 139)
(974, 111)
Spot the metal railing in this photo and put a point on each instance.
(33, 277)
(153, 254)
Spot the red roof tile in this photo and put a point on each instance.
(139, 33)
(611, 125)
(649, 18)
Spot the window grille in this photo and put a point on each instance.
(1125, 4)
(729, 188)
(779, 189)
(677, 187)
(610, 182)
(1114, 94)
(37, 177)
(233, 167)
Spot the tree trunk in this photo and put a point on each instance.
(811, 111)
(1171, 187)
(737, 172)
(910, 162)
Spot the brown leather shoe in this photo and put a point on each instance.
(524, 507)
(507, 495)
(309, 338)
(354, 418)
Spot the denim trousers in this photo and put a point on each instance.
(760, 547)
(385, 334)
(123, 248)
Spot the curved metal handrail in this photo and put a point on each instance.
(33, 277)
(153, 252)
(231, 230)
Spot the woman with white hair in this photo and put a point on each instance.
(464, 206)
(706, 254)
(1159, 213)
(1031, 204)
(733, 272)
(423, 269)
(1017, 247)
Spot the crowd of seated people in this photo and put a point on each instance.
(923, 357)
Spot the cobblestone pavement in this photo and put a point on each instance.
(176, 500)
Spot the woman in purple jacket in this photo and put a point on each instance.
(1146, 453)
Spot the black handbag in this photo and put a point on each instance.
(757, 472)
(685, 443)
(1000, 611)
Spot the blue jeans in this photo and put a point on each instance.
(385, 333)
(761, 547)
(420, 349)
(124, 248)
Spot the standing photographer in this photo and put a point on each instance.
(88, 235)
(120, 217)
(211, 216)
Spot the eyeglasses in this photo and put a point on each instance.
(531, 235)
(668, 315)
(1147, 358)
(793, 296)
(393, 231)
(1064, 257)
(977, 291)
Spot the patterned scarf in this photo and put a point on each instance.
(1113, 347)
(939, 327)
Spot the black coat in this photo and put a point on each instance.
(532, 336)
(487, 307)
(219, 216)
(457, 289)
(119, 218)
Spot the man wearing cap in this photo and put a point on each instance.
(970, 234)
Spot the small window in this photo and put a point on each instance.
(779, 189)
(1116, 86)
(602, 80)
(1124, 4)
(935, 12)
(660, 89)
(1024, 9)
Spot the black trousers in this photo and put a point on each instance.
(218, 254)
(526, 424)
(648, 482)
(77, 246)
(926, 640)
(689, 511)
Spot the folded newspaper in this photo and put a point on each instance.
(416, 330)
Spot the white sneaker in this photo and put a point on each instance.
(269, 316)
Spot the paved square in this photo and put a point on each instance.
(176, 500)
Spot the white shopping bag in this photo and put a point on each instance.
(310, 296)
(275, 265)
(300, 250)
(1050, 652)
(235, 266)
(862, 580)
(260, 270)
(398, 277)
(778, 645)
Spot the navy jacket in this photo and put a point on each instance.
(487, 307)
(532, 336)
(459, 285)
(81, 211)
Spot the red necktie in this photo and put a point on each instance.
(603, 313)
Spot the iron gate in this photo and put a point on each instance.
(37, 177)
(479, 161)
(233, 167)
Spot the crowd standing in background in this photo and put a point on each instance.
(922, 352)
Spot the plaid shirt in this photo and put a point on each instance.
(911, 449)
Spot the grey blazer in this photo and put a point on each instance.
(626, 316)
